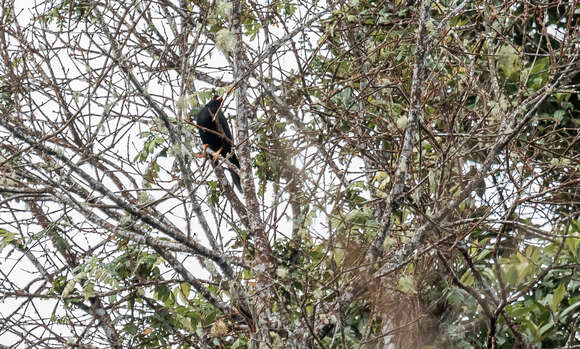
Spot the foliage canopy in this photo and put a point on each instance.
(411, 174)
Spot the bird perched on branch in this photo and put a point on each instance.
(214, 132)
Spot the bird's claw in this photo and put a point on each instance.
(217, 154)
(202, 154)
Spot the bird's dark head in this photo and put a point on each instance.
(215, 103)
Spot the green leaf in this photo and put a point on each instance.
(558, 297)
(185, 288)
(569, 310)
(347, 97)
(195, 319)
(540, 65)
(131, 328)
(482, 255)
(519, 311)
(210, 316)
(248, 274)
(508, 60)
(562, 97)
(545, 328)
(559, 115)
(456, 296)
(239, 343)
(88, 290)
(185, 322)
(467, 278)
(406, 284)
(359, 215)
(339, 253)
(533, 253)
(7, 238)
(162, 292)
(572, 242)
(511, 275)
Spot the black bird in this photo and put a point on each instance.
(215, 133)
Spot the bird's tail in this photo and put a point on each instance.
(236, 180)
(234, 160)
